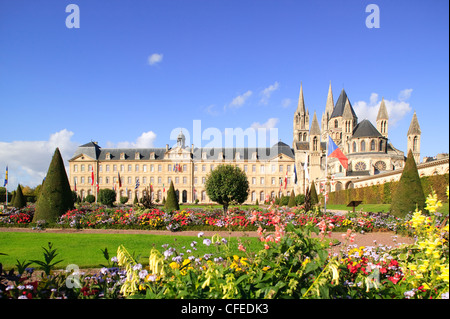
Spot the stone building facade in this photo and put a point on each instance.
(270, 170)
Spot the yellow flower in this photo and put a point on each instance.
(432, 202)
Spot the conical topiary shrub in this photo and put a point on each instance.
(292, 202)
(19, 199)
(171, 201)
(56, 197)
(409, 192)
(313, 198)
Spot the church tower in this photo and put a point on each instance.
(382, 119)
(414, 138)
(315, 150)
(301, 120)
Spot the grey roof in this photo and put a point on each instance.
(263, 153)
(414, 127)
(365, 129)
(340, 105)
(382, 111)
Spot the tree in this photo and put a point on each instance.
(409, 192)
(171, 203)
(107, 196)
(147, 198)
(19, 199)
(313, 198)
(56, 197)
(292, 202)
(227, 184)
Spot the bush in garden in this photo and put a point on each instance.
(89, 199)
(19, 199)
(107, 196)
(123, 199)
(409, 193)
(171, 203)
(56, 196)
(292, 202)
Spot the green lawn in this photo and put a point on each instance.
(376, 208)
(84, 250)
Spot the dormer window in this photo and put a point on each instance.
(137, 155)
(220, 156)
(254, 155)
(122, 156)
(152, 155)
(204, 155)
(108, 156)
(238, 156)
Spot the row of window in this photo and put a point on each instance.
(184, 180)
(172, 167)
(361, 147)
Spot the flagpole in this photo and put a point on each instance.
(326, 176)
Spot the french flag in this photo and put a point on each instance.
(335, 151)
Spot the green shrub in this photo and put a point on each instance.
(107, 196)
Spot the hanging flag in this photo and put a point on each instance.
(92, 177)
(164, 189)
(137, 183)
(335, 151)
(285, 180)
(294, 175)
(6, 177)
(151, 187)
(120, 182)
(75, 185)
(174, 167)
(305, 167)
(98, 188)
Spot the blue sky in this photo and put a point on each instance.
(134, 71)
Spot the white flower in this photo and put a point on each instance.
(200, 234)
(206, 242)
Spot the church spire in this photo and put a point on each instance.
(382, 119)
(301, 101)
(330, 103)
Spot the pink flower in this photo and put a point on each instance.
(266, 246)
(241, 247)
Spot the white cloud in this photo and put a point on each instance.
(271, 123)
(239, 100)
(146, 140)
(397, 109)
(405, 94)
(211, 110)
(155, 58)
(28, 161)
(267, 92)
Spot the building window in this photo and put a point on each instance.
(129, 168)
(253, 180)
(336, 124)
(261, 169)
(253, 196)
(415, 144)
(354, 147)
(363, 146)
(185, 180)
(75, 168)
(159, 168)
(107, 168)
(372, 145)
(261, 180)
(122, 168)
(315, 143)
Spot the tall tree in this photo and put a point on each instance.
(19, 199)
(172, 200)
(292, 202)
(409, 192)
(227, 184)
(56, 197)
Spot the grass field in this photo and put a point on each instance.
(84, 250)
(376, 208)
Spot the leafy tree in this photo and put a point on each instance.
(409, 192)
(147, 198)
(227, 184)
(19, 199)
(56, 196)
(107, 196)
(171, 203)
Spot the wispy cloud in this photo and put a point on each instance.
(28, 161)
(285, 103)
(239, 100)
(155, 58)
(146, 140)
(270, 123)
(397, 109)
(267, 92)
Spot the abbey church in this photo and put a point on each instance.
(271, 171)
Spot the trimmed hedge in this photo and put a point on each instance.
(382, 194)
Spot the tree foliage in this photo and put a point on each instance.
(409, 192)
(56, 197)
(19, 199)
(107, 196)
(227, 184)
(171, 203)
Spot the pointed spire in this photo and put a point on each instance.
(414, 128)
(301, 101)
(347, 114)
(315, 129)
(382, 111)
(330, 103)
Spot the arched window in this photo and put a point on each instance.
(253, 196)
(381, 146)
(315, 143)
(363, 146)
(415, 144)
(336, 124)
(261, 197)
(354, 147)
(372, 145)
(304, 137)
